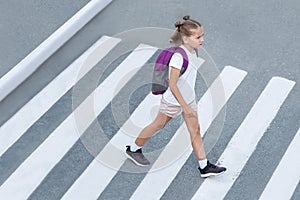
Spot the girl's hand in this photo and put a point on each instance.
(189, 112)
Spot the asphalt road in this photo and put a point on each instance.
(258, 37)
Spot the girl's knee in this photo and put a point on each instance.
(195, 131)
(196, 128)
(158, 125)
(161, 125)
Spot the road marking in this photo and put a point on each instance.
(112, 157)
(30, 112)
(244, 141)
(287, 175)
(180, 145)
(44, 158)
(88, 185)
(31, 62)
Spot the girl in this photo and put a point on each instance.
(179, 99)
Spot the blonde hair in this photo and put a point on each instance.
(184, 29)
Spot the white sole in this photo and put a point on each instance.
(211, 174)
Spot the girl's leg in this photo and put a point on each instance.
(160, 121)
(134, 151)
(206, 168)
(194, 130)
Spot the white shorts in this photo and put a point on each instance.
(172, 110)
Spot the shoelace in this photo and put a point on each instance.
(212, 165)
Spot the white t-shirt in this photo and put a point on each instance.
(186, 82)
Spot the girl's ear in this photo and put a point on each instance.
(185, 39)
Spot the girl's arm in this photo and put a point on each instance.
(174, 75)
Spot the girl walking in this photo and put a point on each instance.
(179, 98)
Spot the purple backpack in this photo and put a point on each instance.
(160, 78)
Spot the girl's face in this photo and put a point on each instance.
(195, 40)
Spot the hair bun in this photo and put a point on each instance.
(187, 17)
(178, 24)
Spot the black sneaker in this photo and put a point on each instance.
(137, 157)
(211, 170)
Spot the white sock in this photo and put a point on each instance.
(202, 163)
(134, 146)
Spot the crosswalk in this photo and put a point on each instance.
(241, 145)
(24, 181)
(284, 173)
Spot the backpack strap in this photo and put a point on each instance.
(185, 59)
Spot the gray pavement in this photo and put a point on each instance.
(26, 24)
(259, 37)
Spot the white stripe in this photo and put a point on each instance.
(88, 185)
(30, 112)
(31, 62)
(245, 139)
(179, 147)
(287, 174)
(97, 175)
(32, 171)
